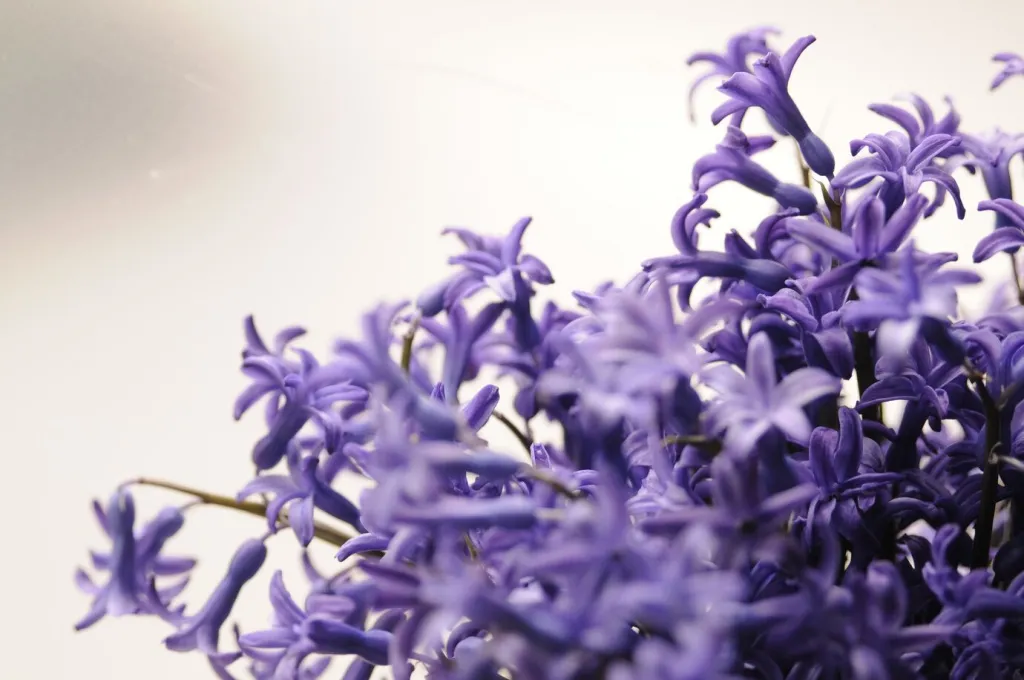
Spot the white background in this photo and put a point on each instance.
(167, 167)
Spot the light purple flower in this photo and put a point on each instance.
(736, 58)
(1007, 238)
(1013, 65)
(757, 402)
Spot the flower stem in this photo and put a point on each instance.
(519, 434)
(1016, 278)
(407, 339)
(321, 531)
(989, 480)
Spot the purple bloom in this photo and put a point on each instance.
(872, 238)
(736, 58)
(731, 162)
(1013, 65)
(134, 560)
(902, 168)
(329, 625)
(767, 87)
(991, 154)
(916, 131)
(753, 404)
(303, 489)
(1007, 238)
(902, 299)
(202, 629)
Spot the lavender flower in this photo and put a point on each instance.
(902, 168)
(735, 59)
(1013, 65)
(767, 87)
(683, 493)
(1007, 238)
(731, 161)
(757, 402)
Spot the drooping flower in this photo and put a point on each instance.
(731, 162)
(767, 87)
(201, 631)
(916, 131)
(991, 154)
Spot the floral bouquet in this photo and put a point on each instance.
(785, 460)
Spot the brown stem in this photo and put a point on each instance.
(523, 439)
(407, 339)
(321, 531)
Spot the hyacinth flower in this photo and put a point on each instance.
(902, 169)
(695, 502)
(991, 155)
(917, 131)
(1013, 65)
(735, 59)
(757, 402)
(767, 88)
(324, 627)
(489, 262)
(201, 630)
(872, 238)
(134, 560)
(302, 490)
(1007, 238)
(910, 298)
(731, 162)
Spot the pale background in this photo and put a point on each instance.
(168, 166)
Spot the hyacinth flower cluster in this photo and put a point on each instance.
(789, 459)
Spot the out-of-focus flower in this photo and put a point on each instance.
(1013, 65)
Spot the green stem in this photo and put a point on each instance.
(407, 339)
(321, 531)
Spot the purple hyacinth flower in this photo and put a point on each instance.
(1013, 65)
(872, 237)
(901, 299)
(731, 162)
(121, 595)
(460, 337)
(302, 490)
(202, 630)
(991, 154)
(493, 262)
(767, 88)
(902, 168)
(753, 404)
(1007, 238)
(325, 626)
(735, 59)
(928, 125)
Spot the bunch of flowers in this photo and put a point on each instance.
(715, 479)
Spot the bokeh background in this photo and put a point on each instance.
(168, 166)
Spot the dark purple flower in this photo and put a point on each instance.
(902, 168)
(731, 162)
(1013, 65)
(201, 630)
(767, 88)
(1007, 238)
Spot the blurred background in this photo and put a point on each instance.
(168, 167)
